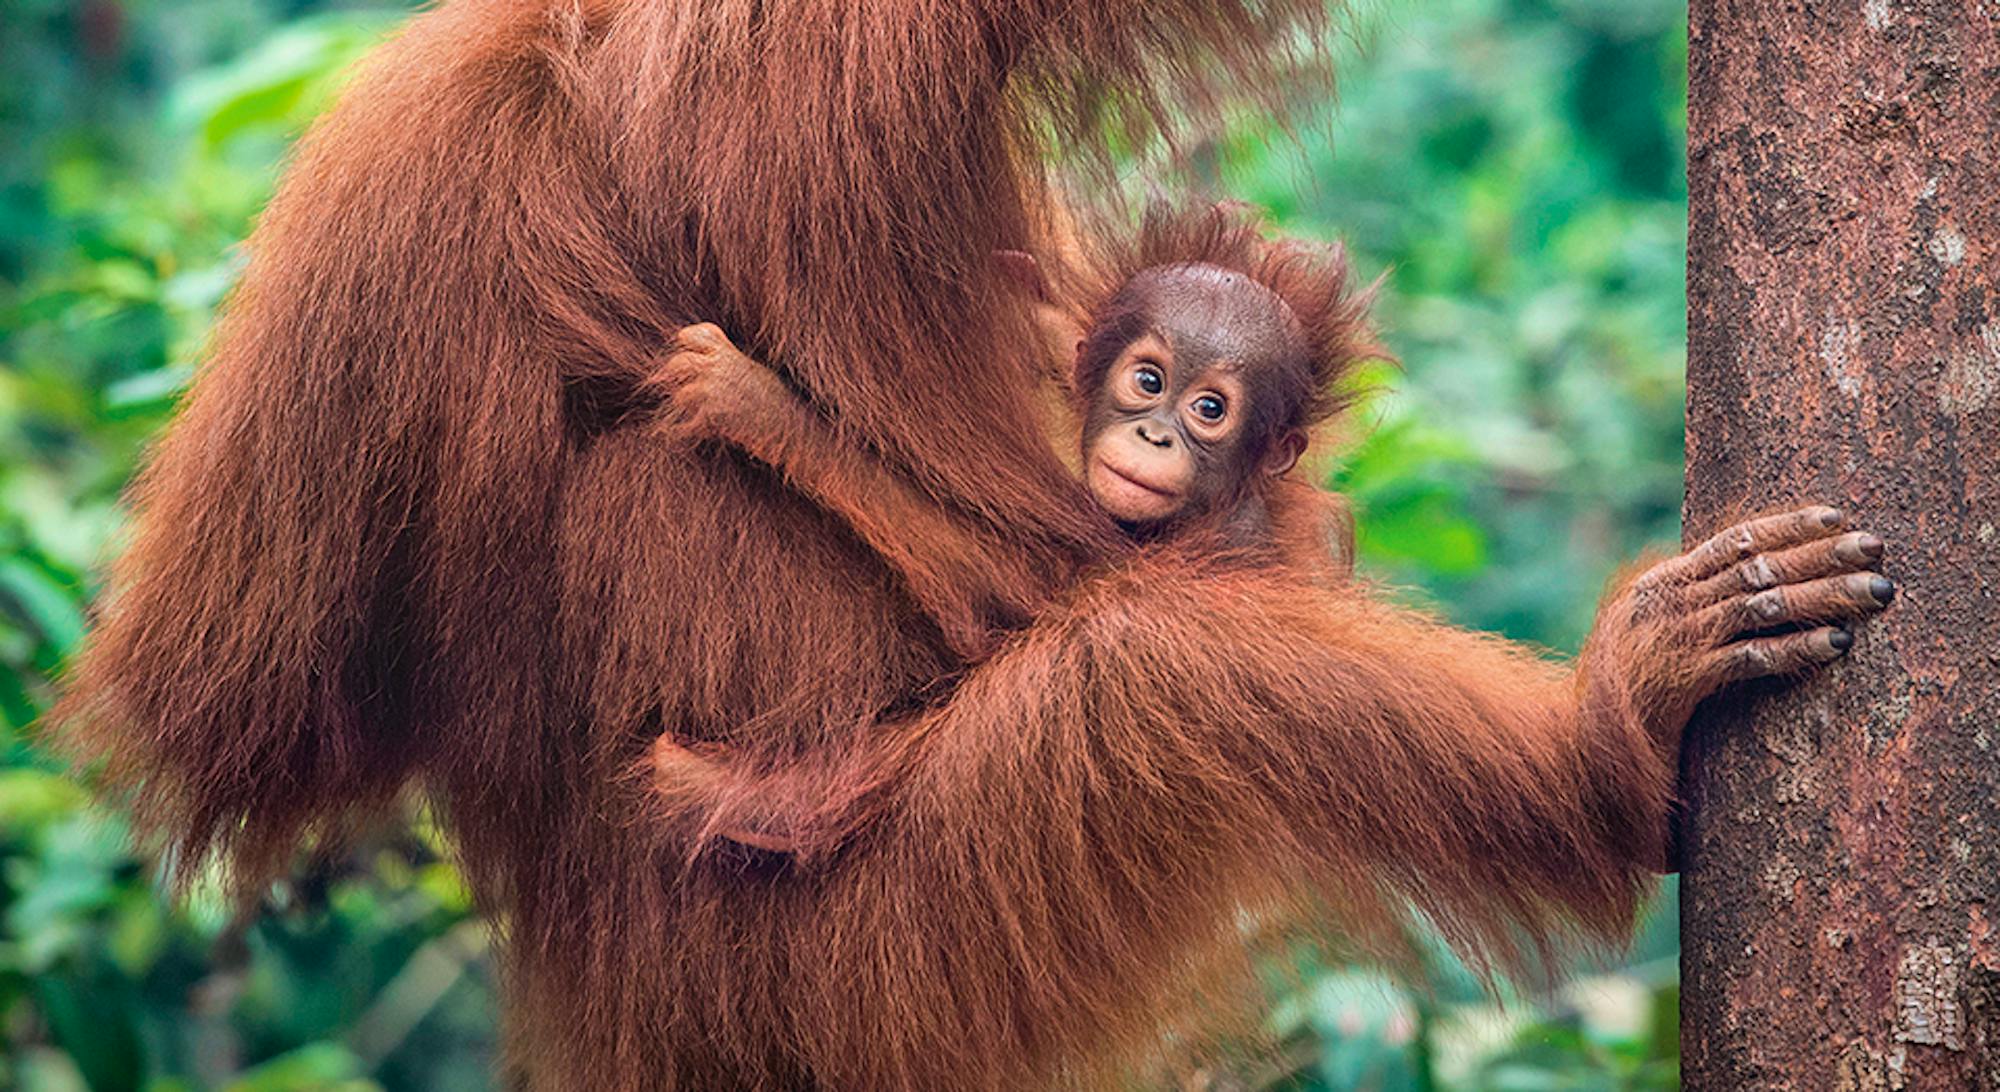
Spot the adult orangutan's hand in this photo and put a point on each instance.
(1770, 596)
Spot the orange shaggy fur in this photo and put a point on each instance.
(413, 529)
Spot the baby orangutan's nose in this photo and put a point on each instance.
(1158, 437)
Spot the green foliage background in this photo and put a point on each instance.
(1516, 166)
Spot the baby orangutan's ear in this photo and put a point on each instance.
(1285, 452)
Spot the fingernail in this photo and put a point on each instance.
(1871, 546)
(1841, 640)
(1882, 589)
(1831, 517)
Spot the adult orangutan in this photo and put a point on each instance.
(417, 526)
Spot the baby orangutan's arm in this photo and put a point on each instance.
(955, 573)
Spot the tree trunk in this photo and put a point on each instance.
(1841, 901)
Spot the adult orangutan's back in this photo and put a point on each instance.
(412, 525)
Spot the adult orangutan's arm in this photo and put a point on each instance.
(1244, 711)
(1181, 747)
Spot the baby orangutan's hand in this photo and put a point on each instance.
(716, 392)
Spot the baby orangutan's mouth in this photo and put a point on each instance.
(1128, 495)
(1136, 479)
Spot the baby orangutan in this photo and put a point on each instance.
(1196, 382)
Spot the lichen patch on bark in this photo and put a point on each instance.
(1927, 996)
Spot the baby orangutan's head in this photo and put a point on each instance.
(1209, 354)
(1197, 380)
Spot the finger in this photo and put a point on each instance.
(704, 337)
(683, 421)
(1787, 654)
(1845, 598)
(1746, 540)
(683, 370)
(767, 841)
(671, 371)
(1828, 556)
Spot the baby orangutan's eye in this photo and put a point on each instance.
(1210, 407)
(1149, 379)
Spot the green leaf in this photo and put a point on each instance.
(30, 798)
(94, 1020)
(316, 1067)
(277, 86)
(42, 601)
(148, 391)
(1425, 527)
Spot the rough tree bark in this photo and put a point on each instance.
(1841, 900)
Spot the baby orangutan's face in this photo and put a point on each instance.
(1174, 430)
(1168, 440)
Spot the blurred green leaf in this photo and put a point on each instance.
(43, 1069)
(280, 84)
(43, 601)
(30, 798)
(154, 390)
(318, 1067)
(95, 1022)
(1422, 525)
